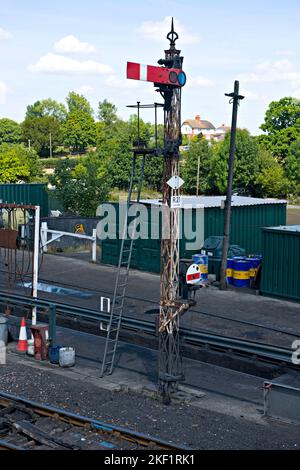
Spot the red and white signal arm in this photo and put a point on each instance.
(151, 73)
(193, 275)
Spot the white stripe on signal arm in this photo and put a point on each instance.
(143, 72)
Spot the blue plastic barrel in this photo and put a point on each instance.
(54, 354)
(229, 271)
(241, 272)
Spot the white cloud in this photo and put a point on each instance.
(3, 92)
(58, 64)
(158, 30)
(284, 52)
(249, 95)
(85, 90)
(114, 81)
(201, 81)
(71, 45)
(270, 72)
(5, 35)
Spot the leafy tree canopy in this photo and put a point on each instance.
(79, 130)
(282, 126)
(246, 163)
(18, 163)
(107, 112)
(78, 103)
(270, 179)
(38, 130)
(81, 186)
(199, 152)
(10, 131)
(47, 107)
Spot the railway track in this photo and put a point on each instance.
(27, 425)
(265, 352)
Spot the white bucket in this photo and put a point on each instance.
(30, 347)
(66, 357)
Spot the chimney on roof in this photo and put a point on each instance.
(197, 118)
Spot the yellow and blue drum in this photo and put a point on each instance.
(255, 263)
(241, 272)
(229, 271)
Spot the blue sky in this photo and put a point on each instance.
(50, 48)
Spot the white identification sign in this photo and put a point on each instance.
(175, 182)
(176, 202)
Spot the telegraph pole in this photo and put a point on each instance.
(50, 143)
(235, 100)
(198, 176)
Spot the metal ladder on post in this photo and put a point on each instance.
(113, 327)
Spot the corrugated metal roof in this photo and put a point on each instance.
(218, 201)
(285, 228)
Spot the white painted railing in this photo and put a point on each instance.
(57, 234)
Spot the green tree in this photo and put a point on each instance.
(270, 180)
(81, 186)
(17, 163)
(282, 126)
(199, 151)
(246, 164)
(79, 130)
(47, 107)
(115, 149)
(38, 131)
(10, 131)
(78, 103)
(292, 166)
(107, 112)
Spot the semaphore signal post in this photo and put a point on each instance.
(169, 79)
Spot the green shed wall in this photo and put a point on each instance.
(246, 231)
(281, 264)
(35, 194)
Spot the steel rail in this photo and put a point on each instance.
(96, 425)
(198, 312)
(263, 351)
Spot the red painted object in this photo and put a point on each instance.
(151, 73)
(22, 343)
(40, 343)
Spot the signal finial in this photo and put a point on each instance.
(172, 36)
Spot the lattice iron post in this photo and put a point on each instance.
(170, 362)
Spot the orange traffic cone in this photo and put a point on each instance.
(22, 344)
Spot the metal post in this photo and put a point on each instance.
(35, 260)
(52, 324)
(198, 175)
(94, 246)
(50, 142)
(170, 363)
(138, 113)
(235, 99)
(44, 231)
